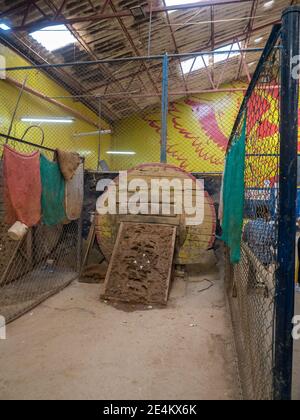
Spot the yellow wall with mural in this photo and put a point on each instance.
(262, 146)
(198, 126)
(56, 135)
(198, 132)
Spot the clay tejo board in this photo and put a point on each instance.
(194, 240)
(141, 265)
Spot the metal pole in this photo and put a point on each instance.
(129, 59)
(16, 107)
(285, 276)
(99, 138)
(164, 106)
(79, 245)
(270, 45)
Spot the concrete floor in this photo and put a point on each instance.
(75, 347)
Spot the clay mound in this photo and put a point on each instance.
(141, 265)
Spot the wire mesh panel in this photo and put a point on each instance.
(43, 264)
(110, 111)
(201, 118)
(251, 284)
(46, 260)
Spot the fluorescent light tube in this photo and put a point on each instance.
(92, 133)
(48, 120)
(110, 152)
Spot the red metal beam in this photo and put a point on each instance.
(60, 9)
(249, 30)
(203, 48)
(39, 9)
(171, 93)
(136, 51)
(212, 29)
(13, 9)
(92, 6)
(88, 50)
(240, 36)
(27, 12)
(104, 6)
(175, 46)
(40, 95)
(245, 65)
(224, 67)
(208, 72)
(120, 14)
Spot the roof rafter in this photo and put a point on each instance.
(135, 50)
(175, 46)
(249, 30)
(90, 52)
(117, 14)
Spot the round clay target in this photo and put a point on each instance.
(193, 240)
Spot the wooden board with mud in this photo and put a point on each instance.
(140, 269)
(194, 239)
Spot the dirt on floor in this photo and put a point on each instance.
(74, 346)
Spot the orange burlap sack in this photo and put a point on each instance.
(22, 187)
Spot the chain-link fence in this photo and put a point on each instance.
(253, 284)
(46, 260)
(111, 111)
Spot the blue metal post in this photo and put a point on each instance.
(285, 278)
(164, 109)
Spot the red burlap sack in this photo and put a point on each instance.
(22, 187)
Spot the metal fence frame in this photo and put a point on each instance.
(23, 283)
(165, 92)
(288, 32)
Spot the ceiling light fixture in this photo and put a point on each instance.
(48, 120)
(115, 152)
(92, 133)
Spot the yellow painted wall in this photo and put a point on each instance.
(198, 127)
(198, 131)
(56, 135)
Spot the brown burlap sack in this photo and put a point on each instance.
(68, 162)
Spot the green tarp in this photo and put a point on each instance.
(233, 196)
(53, 193)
